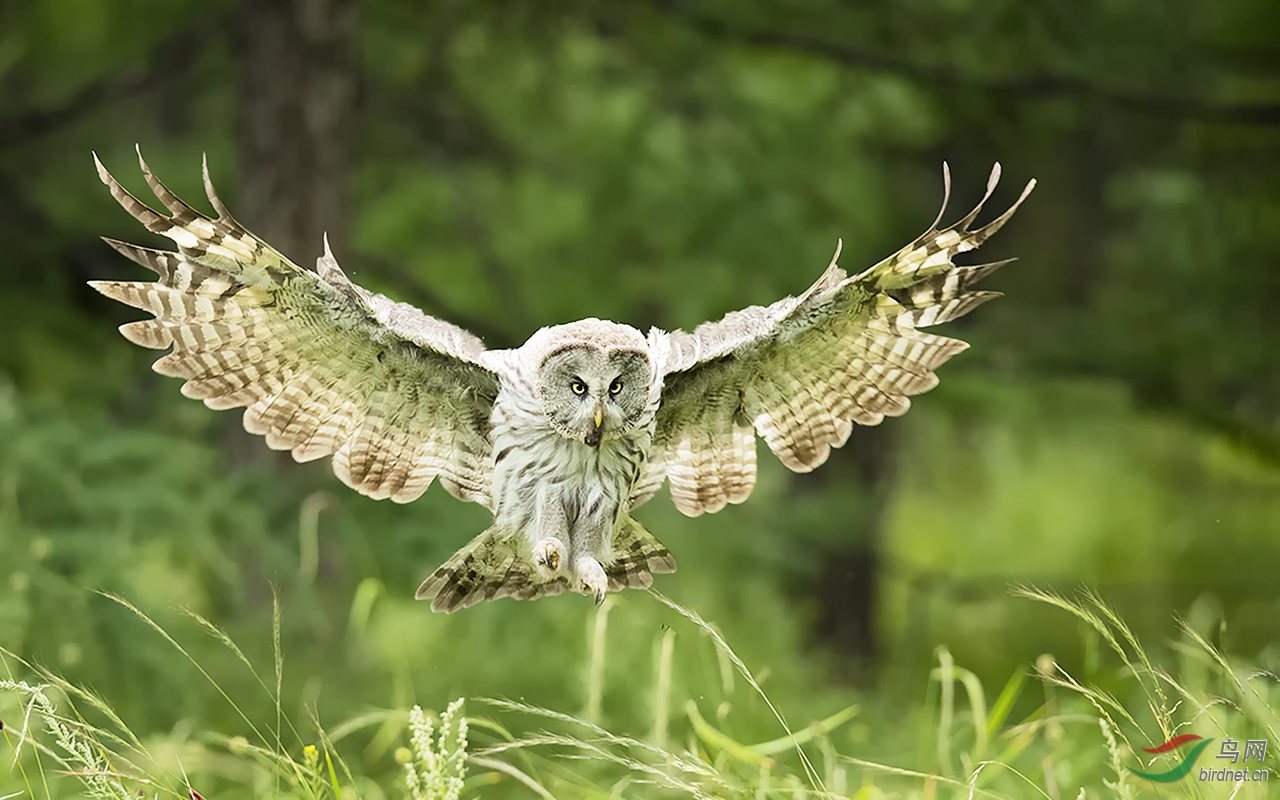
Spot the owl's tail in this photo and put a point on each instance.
(492, 566)
(637, 557)
(489, 567)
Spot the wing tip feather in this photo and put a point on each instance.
(223, 214)
(946, 195)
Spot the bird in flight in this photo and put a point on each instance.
(563, 437)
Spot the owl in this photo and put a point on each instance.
(562, 438)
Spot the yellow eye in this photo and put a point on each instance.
(578, 387)
(616, 386)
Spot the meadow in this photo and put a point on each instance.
(306, 686)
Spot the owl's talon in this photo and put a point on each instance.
(549, 554)
(592, 580)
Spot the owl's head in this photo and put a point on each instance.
(594, 380)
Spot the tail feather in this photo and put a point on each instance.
(489, 567)
(493, 565)
(638, 556)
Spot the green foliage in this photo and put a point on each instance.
(76, 751)
(436, 767)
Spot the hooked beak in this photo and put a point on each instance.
(594, 435)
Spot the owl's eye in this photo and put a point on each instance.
(578, 386)
(616, 386)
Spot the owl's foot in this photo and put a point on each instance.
(548, 555)
(592, 580)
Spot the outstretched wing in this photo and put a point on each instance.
(801, 371)
(324, 367)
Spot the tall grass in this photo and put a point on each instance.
(1045, 734)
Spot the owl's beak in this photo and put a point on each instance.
(594, 435)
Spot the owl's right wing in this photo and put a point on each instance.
(800, 372)
(324, 367)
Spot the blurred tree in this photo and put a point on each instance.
(296, 135)
(297, 120)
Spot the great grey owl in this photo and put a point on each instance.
(563, 437)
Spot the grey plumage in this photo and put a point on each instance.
(563, 437)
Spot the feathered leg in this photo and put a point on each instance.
(551, 530)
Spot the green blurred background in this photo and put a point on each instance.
(509, 165)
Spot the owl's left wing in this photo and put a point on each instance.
(323, 366)
(800, 372)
